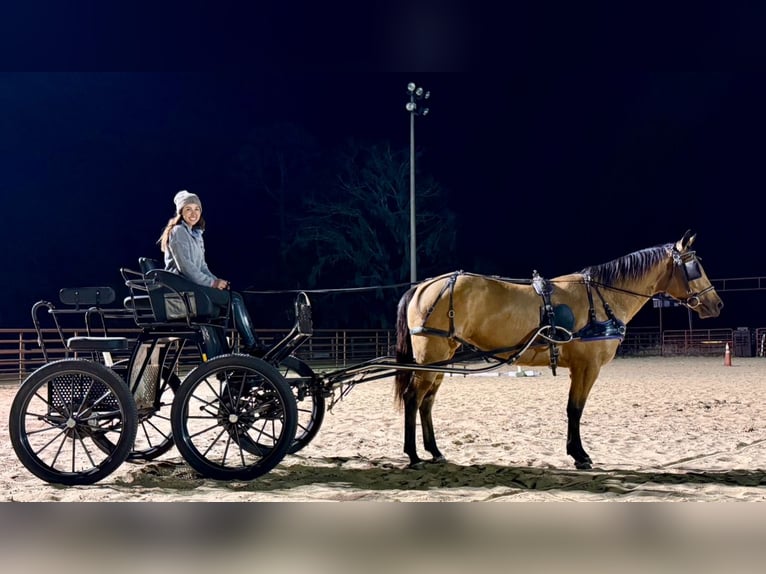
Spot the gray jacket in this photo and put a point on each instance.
(185, 255)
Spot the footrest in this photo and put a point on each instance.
(102, 344)
(303, 320)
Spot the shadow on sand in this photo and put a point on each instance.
(358, 474)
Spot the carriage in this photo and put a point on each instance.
(235, 416)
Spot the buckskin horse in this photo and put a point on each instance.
(575, 321)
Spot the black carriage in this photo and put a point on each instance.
(112, 399)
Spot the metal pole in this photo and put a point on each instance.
(413, 249)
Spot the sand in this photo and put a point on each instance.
(657, 429)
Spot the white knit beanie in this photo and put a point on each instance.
(184, 198)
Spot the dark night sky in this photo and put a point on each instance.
(548, 170)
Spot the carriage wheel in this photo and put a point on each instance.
(226, 406)
(59, 414)
(154, 436)
(309, 399)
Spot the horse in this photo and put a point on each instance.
(576, 321)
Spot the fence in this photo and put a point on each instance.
(697, 342)
(20, 353)
(760, 341)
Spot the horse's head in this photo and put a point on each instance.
(688, 281)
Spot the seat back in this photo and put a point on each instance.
(87, 296)
(176, 298)
(147, 264)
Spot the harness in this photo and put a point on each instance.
(556, 321)
(449, 288)
(559, 319)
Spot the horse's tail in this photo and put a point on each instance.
(403, 346)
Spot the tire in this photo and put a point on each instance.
(61, 412)
(154, 436)
(226, 406)
(309, 398)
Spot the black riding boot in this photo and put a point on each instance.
(250, 343)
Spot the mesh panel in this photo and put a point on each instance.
(147, 388)
(76, 390)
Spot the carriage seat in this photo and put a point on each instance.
(166, 300)
(161, 296)
(174, 297)
(94, 298)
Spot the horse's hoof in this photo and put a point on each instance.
(438, 460)
(419, 465)
(583, 465)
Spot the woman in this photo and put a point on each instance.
(184, 250)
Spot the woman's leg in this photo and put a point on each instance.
(243, 322)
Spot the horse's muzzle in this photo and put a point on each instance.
(708, 309)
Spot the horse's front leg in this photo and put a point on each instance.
(427, 426)
(582, 376)
(574, 443)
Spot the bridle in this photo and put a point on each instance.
(690, 264)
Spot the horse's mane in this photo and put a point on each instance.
(632, 266)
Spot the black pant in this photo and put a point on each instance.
(242, 320)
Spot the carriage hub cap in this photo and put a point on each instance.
(233, 418)
(71, 423)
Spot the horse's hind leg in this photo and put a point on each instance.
(426, 423)
(419, 394)
(410, 400)
(419, 398)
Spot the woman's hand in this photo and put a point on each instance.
(220, 284)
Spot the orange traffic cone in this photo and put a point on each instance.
(727, 357)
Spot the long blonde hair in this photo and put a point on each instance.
(172, 222)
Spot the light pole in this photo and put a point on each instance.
(416, 94)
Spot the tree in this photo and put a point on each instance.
(272, 170)
(356, 231)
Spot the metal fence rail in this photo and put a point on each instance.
(20, 353)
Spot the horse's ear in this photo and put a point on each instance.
(686, 241)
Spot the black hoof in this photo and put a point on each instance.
(438, 459)
(583, 465)
(419, 465)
